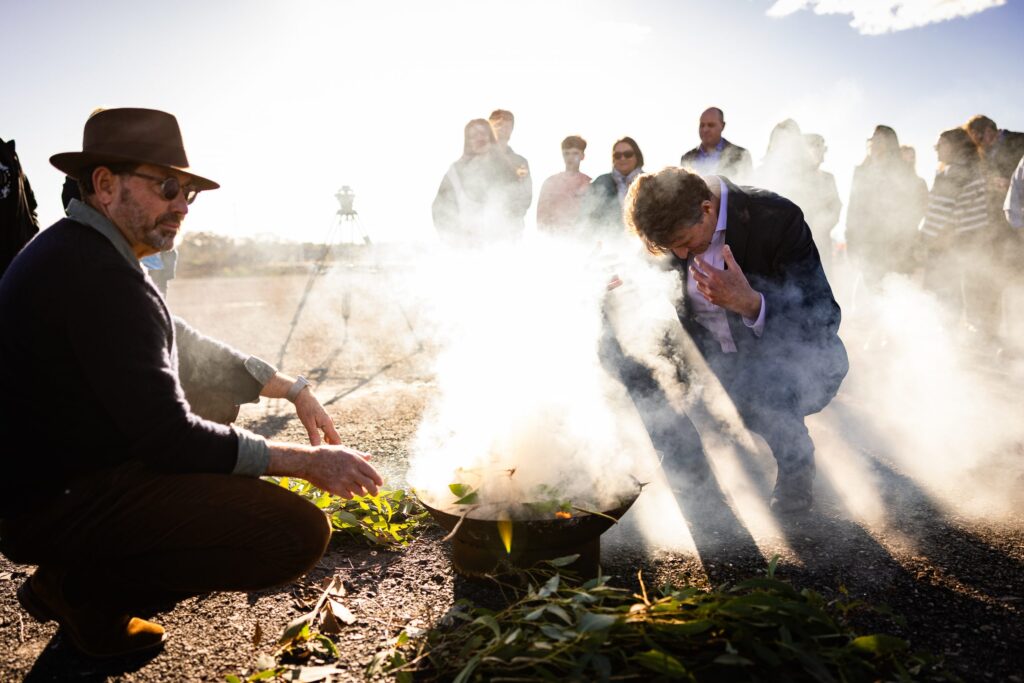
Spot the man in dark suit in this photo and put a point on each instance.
(715, 154)
(756, 302)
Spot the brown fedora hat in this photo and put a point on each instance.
(141, 136)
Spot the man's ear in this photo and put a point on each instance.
(104, 182)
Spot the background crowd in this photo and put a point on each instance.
(949, 236)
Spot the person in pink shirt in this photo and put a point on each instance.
(561, 194)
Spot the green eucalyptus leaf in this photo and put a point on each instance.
(467, 670)
(535, 614)
(560, 613)
(459, 490)
(879, 644)
(686, 628)
(662, 663)
(554, 632)
(294, 629)
(589, 621)
(564, 561)
(490, 622)
(549, 587)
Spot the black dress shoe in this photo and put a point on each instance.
(793, 492)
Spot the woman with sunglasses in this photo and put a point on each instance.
(473, 203)
(602, 207)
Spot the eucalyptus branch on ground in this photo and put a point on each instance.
(391, 518)
(760, 629)
(305, 651)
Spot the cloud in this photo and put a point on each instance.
(620, 33)
(874, 17)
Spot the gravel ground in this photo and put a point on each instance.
(957, 580)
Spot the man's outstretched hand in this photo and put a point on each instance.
(340, 470)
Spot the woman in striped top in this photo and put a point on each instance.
(957, 234)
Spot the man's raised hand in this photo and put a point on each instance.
(726, 287)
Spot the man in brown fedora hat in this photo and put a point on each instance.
(129, 500)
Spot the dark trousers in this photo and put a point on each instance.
(132, 539)
(769, 404)
(774, 412)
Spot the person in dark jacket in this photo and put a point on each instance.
(18, 223)
(601, 213)
(756, 303)
(1001, 151)
(715, 154)
(134, 501)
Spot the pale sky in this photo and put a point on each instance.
(283, 103)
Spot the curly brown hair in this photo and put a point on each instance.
(659, 204)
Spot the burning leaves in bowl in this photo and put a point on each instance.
(507, 502)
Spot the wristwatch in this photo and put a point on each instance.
(300, 384)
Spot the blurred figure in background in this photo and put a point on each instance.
(1001, 151)
(1013, 205)
(823, 203)
(521, 194)
(602, 207)
(561, 195)
(18, 223)
(887, 202)
(476, 203)
(787, 164)
(716, 155)
(958, 235)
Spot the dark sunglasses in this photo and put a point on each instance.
(170, 187)
(623, 155)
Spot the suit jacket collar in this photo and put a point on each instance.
(737, 217)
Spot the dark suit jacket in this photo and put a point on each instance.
(1006, 153)
(734, 163)
(799, 357)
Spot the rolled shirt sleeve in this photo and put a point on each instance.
(253, 453)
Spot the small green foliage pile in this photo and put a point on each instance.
(762, 629)
(391, 518)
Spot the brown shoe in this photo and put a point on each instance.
(93, 631)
